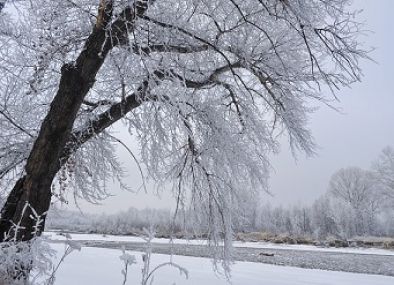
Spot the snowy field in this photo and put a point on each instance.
(96, 266)
(262, 245)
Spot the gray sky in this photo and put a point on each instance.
(353, 137)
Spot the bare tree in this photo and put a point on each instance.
(356, 187)
(353, 185)
(205, 87)
(323, 218)
(384, 169)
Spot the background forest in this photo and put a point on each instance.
(358, 203)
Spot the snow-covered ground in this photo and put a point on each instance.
(96, 266)
(262, 245)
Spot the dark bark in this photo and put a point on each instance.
(2, 4)
(51, 148)
(103, 121)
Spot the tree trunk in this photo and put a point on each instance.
(33, 190)
(30, 198)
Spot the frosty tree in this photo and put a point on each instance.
(205, 87)
(357, 189)
(353, 185)
(384, 170)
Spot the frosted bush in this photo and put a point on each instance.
(19, 259)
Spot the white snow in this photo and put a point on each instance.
(96, 266)
(262, 245)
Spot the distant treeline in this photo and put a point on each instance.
(326, 218)
(358, 203)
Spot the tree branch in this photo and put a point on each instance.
(169, 48)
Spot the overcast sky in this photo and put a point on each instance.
(353, 137)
